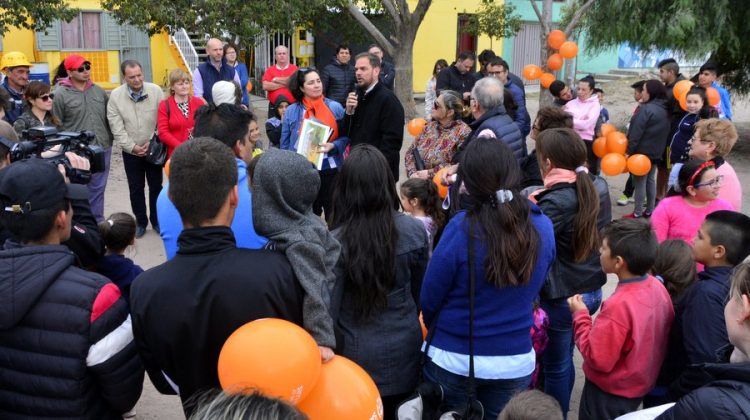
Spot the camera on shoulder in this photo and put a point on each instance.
(49, 144)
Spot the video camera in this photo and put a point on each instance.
(48, 144)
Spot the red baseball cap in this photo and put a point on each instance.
(73, 62)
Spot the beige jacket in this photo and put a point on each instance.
(133, 123)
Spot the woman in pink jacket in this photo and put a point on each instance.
(713, 139)
(585, 110)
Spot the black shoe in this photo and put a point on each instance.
(155, 228)
(140, 231)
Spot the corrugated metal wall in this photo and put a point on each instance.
(526, 48)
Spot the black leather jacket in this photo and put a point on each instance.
(566, 277)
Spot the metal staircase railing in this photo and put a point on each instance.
(186, 48)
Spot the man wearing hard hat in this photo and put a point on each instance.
(16, 67)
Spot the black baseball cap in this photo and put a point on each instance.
(35, 184)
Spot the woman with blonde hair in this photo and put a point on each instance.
(434, 148)
(713, 139)
(175, 120)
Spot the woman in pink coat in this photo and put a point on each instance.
(714, 138)
(585, 110)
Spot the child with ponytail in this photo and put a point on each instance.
(419, 197)
(118, 233)
(578, 204)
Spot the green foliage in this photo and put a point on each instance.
(494, 20)
(245, 19)
(692, 27)
(33, 14)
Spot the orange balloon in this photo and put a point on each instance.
(276, 357)
(681, 88)
(613, 164)
(424, 328)
(343, 391)
(555, 62)
(546, 80)
(249, 86)
(416, 126)
(532, 71)
(442, 189)
(556, 38)
(166, 167)
(568, 49)
(600, 147)
(607, 128)
(714, 98)
(639, 165)
(683, 102)
(617, 142)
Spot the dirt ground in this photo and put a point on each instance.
(149, 252)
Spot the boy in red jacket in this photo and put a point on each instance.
(624, 349)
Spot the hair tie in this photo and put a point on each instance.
(582, 169)
(110, 222)
(503, 196)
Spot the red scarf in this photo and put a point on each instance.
(317, 108)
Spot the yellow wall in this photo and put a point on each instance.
(437, 37)
(105, 64)
(164, 58)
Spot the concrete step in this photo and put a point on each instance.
(627, 72)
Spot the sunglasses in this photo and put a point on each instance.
(83, 68)
(47, 97)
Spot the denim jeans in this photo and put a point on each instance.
(557, 360)
(645, 187)
(492, 393)
(96, 187)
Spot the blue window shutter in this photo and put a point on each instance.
(49, 39)
(111, 32)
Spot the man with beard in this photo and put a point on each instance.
(373, 113)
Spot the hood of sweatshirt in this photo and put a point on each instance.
(66, 82)
(284, 187)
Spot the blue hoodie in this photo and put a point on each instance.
(170, 222)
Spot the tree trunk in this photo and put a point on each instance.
(545, 98)
(403, 60)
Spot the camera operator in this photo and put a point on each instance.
(84, 241)
(66, 339)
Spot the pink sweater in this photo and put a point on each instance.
(585, 115)
(624, 348)
(674, 218)
(731, 189)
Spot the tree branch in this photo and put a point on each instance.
(371, 29)
(390, 7)
(404, 14)
(420, 11)
(577, 17)
(545, 28)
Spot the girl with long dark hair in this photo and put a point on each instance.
(384, 255)
(578, 205)
(514, 247)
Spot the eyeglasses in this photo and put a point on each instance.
(712, 183)
(83, 68)
(436, 105)
(47, 97)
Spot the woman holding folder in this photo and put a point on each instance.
(434, 147)
(307, 89)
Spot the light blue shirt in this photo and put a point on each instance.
(170, 222)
